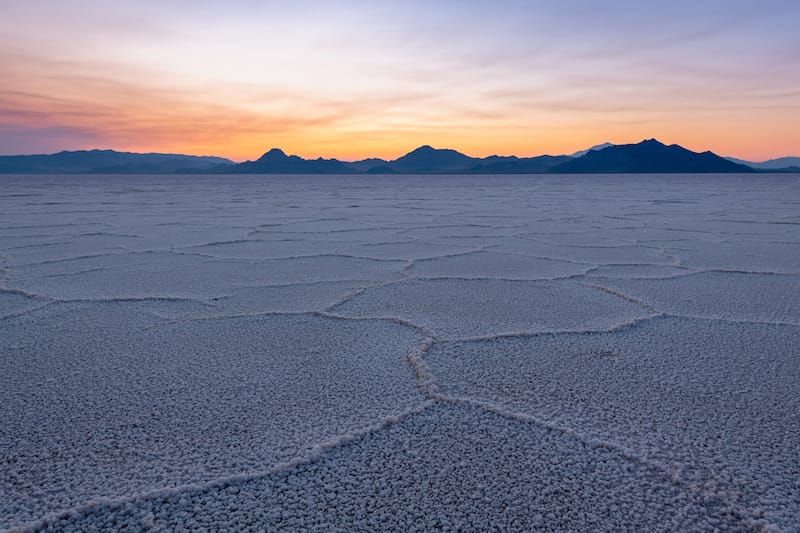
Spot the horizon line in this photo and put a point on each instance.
(311, 158)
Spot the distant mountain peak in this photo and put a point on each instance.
(649, 156)
(594, 148)
(274, 153)
(427, 149)
(429, 159)
(275, 161)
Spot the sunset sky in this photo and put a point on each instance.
(355, 79)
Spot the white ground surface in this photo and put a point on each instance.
(410, 353)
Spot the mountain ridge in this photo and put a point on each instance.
(779, 163)
(594, 148)
(647, 156)
(108, 162)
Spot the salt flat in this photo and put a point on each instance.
(409, 352)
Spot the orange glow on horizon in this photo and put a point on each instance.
(127, 117)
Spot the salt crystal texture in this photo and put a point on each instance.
(399, 353)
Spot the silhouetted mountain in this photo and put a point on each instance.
(277, 162)
(424, 159)
(372, 164)
(427, 159)
(433, 160)
(648, 156)
(109, 162)
(517, 165)
(784, 164)
(594, 148)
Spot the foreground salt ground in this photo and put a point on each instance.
(307, 353)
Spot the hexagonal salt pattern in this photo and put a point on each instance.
(717, 403)
(351, 353)
(455, 308)
(105, 400)
(168, 274)
(450, 467)
(771, 298)
(493, 265)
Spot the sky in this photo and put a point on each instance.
(355, 79)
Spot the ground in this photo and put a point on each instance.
(361, 353)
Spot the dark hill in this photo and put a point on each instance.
(277, 162)
(649, 156)
(108, 162)
(428, 159)
(519, 165)
(373, 165)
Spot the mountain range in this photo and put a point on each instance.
(648, 156)
(108, 162)
(781, 163)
